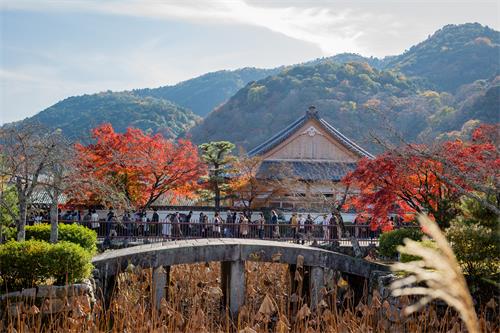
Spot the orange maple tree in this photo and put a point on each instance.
(431, 180)
(135, 167)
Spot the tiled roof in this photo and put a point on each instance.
(305, 170)
(278, 138)
(290, 129)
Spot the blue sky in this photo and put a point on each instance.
(54, 49)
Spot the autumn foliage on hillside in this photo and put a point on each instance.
(133, 168)
(428, 179)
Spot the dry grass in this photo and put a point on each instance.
(194, 306)
(436, 275)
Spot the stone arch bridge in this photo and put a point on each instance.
(232, 253)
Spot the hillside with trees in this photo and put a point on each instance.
(76, 116)
(203, 93)
(343, 58)
(453, 56)
(473, 104)
(170, 110)
(354, 97)
(438, 88)
(444, 86)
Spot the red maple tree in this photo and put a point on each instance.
(431, 180)
(134, 168)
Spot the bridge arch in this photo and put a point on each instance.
(232, 253)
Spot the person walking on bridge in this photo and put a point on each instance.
(94, 219)
(202, 225)
(176, 226)
(243, 226)
(274, 231)
(155, 220)
(294, 222)
(261, 222)
(326, 227)
(228, 228)
(189, 230)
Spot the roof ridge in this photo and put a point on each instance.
(275, 137)
(345, 139)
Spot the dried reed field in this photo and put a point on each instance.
(194, 305)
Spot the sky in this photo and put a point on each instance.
(53, 49)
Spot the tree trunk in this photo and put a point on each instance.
(21, 223)
(354, 242)
(217, 198)
(355, 247)
(53, 221)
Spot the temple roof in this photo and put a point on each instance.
(312, 113)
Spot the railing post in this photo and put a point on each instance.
(233, 285)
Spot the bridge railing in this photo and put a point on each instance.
(140, 231)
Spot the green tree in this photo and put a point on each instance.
(9, 210)
(217, 155)
(8, 205)
(475, 239)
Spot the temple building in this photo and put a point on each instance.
(315, 154)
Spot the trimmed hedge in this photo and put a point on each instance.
(32, 262)
(389, 241)
(73, 233)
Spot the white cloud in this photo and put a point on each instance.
(333, 30)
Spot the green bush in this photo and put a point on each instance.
(73, 233)
(8, 233)
(426, 243)
(389, 241)
(32, 262)
(477, 249)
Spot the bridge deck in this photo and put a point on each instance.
(230, 249)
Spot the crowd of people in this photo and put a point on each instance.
(242, 224)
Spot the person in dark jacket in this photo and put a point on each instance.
(309, 223)
(109, 220)
(229, 227)
(155, 219)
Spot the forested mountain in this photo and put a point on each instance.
(473, 103)
(361, 101)
(157, 110)
(76, 116)
(452, 56)
(350, 96)
(431, 90)
(343, 58)
(438, 86)
(203, 93)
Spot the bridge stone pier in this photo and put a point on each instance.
(232, 253)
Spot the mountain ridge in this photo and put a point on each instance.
(470, 48)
